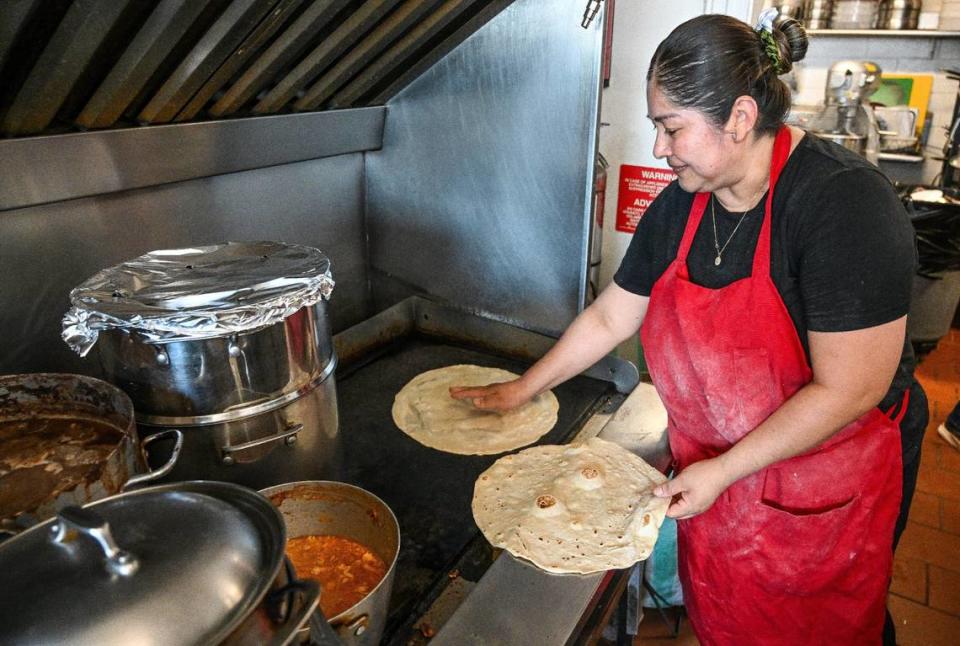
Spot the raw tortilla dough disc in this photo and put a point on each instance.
(424, 410)
(571, 509)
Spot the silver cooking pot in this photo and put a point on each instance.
(221, 379)
(68, 440)
(255, 408)
(190, 563)
(229, 342)
(339, 509)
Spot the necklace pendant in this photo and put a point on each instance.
(716, 261)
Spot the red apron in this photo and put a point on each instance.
(801, 551)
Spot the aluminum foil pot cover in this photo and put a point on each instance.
(198, 292)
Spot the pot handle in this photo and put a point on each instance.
(150, 476)
(288, 436)
(74, 521)
(321, 632)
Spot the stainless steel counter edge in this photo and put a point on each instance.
(515, 603)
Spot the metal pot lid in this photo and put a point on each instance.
(177, 564)
(198, 292)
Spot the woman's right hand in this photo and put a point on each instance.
(497, 397)
(616, 315)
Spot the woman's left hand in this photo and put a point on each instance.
(694, 489)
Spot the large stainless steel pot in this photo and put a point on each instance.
(255, 408)
(221, 379)
(190, 563)
(229, 342)
(298, 440)
(68, 440)
(340, 509)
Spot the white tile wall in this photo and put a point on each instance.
(888, 47)
(930, 14)
(950, 15)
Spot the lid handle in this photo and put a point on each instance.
(74, 521)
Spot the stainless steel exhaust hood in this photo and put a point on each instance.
(73, 65)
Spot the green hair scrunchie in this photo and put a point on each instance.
(772, 51)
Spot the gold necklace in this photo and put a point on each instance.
(716, 241)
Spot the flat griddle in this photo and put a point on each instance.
(430, 491)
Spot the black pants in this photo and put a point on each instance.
(911, 433)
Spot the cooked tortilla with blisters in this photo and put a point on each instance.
(424, 410)
(571, 509)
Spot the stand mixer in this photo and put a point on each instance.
(847, 118)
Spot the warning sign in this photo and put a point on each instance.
(639, 185)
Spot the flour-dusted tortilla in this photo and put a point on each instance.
(425, 411)
(571, 509)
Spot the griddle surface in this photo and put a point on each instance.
(430, 491)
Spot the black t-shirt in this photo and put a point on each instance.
(843, 250)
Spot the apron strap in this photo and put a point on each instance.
(781, 152)
(761, 257)
(693, 224)
(903, 404)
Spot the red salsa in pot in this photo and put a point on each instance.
(346, 570)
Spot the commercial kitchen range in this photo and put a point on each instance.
(440, 152)
(442, 554)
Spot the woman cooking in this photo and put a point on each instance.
(771, 284)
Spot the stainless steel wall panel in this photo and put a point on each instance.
(47, 250)
(47, 169)
(438, 51)
(480, 193)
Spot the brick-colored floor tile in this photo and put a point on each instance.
(653, 630)
(933, 533)
(925, 509)
(931, 442)
(950, 516)
(919, 625)
(945, 590)
(940, 482)
(909, 578)
(931, 545)
(949, 459)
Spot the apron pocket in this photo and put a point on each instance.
(805, 540)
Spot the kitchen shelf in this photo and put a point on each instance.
(898, 33)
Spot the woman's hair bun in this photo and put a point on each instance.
(709, 61)
(791, 40)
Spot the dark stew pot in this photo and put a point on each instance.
(67, 440)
